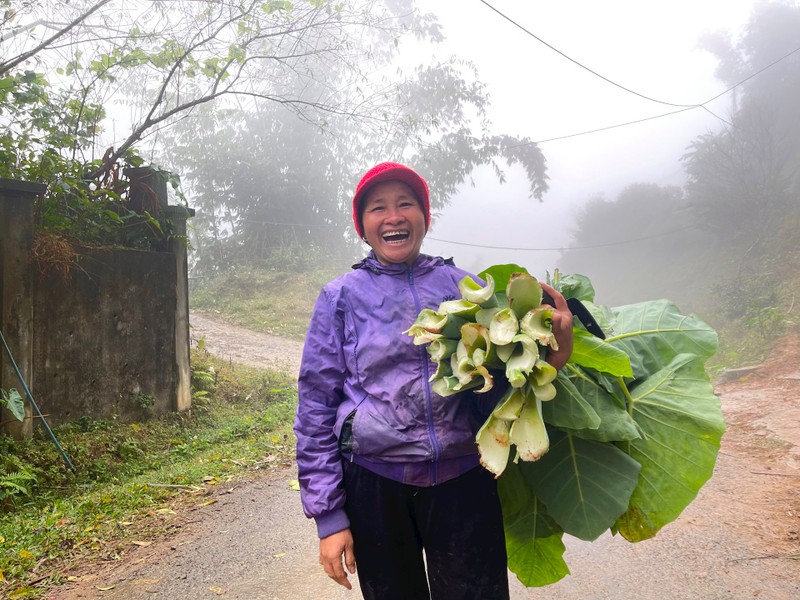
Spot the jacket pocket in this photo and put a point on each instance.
(346, 435)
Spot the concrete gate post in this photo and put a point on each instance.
(177, 245)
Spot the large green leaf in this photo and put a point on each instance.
(634, 433)
(682, 419)
(653, 333)
(615, 422)
(536, 561)
(569, 409)
(585, 485)
(533, 540)
(593, 352)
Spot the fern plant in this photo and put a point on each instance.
(17, 480)
(13, 485)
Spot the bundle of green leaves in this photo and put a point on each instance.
(621, 439)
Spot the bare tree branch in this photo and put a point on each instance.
(5, 67)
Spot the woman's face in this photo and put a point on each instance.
(393, 222)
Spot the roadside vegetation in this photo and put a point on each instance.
(131, 478)
(753, 312)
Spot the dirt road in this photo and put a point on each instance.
(739, 539)
(240, 345)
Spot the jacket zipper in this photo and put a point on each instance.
(437, 449)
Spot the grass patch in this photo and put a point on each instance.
(131, 476)
(263, 300)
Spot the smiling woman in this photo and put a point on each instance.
(388, 468)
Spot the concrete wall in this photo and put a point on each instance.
(16, 291)
(111, 340)
(104, 340)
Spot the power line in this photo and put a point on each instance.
(582, 66)
(427, 237)
(674, 112)
(746, 79)
(571, 135)
(562, 248)
(682, 107)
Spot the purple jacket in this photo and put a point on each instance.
(358, 362)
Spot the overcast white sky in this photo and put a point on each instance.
(650, 47)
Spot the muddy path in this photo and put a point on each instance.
(738, 539)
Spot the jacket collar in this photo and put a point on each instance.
(422, 264)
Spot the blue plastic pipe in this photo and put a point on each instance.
(35, 406)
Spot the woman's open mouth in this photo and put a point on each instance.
(395, 237)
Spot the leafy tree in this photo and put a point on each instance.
(263, 183)
(56, 20)
(294, 181)
(45, 134)
(741, 176)
(747, 173)
(170, 57)
(50, 131)
(739, 206)
(43, 119)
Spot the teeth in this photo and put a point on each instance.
(395, 236)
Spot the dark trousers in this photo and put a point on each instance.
(458, 524)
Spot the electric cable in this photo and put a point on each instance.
(563, 248)
(682, 107)
(674, 112)
(582, 66)
(599, 129)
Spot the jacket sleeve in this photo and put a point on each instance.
(320, 391)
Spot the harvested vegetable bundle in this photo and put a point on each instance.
(621, 439)
(507, 332)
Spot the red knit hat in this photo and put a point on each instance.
(390, 171)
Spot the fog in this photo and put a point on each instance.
(611, 93)
(650, 48)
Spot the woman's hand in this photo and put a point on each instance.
(331, 551)
(562, 329)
